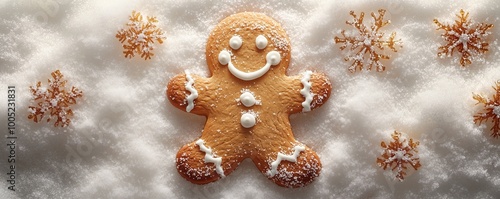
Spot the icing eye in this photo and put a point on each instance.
(235, 42)
(261, 42)
(224, 57)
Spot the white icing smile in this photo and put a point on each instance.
(272, 58)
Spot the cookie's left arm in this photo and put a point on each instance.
(187, 92)
(309, 90)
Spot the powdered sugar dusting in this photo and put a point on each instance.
(192, 172)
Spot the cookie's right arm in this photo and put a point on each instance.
(183, 92)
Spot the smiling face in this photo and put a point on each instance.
(248, 46)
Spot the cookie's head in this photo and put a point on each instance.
(248, 45)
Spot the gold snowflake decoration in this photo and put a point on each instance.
(140, 36)
(491, 110)
(465, 37)
(398, 154)
(54, 101)
(368, 41)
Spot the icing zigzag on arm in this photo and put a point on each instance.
(306, 91)
(193, 92)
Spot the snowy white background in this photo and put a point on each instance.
(125, 135)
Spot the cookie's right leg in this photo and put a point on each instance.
(296, 167)
(201, 164)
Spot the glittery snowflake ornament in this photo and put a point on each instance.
(53, 102)
(368, 41)
(398, 154)
(491, 110)
(140, 36)
(465, 37)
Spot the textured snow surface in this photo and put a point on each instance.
(125, 134)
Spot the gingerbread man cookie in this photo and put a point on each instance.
(247, 102)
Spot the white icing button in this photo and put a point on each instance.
(224, 57)
(273, 57)
(261, 42)
(235, 42)
(247, 99)
(248, 120)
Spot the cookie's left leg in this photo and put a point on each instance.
(198, 163)
(294, 167)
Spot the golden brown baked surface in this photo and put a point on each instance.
(225, 139)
